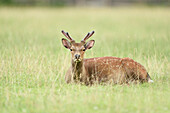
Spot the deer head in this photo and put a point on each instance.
(77, 49)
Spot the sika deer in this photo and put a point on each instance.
(102, 69)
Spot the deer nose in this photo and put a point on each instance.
(77, 56)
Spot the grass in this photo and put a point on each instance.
(33, 61)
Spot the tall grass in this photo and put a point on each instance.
(33, 62)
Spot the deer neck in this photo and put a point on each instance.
(77, 70)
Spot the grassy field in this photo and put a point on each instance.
(33, 61)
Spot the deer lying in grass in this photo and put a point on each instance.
(102, 69)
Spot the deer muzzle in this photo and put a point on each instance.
(77, 58)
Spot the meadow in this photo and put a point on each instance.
(33, 62)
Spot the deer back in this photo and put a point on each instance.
(115, 69)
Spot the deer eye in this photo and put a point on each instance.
(84, 49)
(71, 50)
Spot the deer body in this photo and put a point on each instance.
(101, 69)
(107, 69)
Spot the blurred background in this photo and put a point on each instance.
(33, 61)
(84, 2)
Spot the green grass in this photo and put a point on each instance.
(33, 61)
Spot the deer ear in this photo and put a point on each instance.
(89, 44)
(66, 43)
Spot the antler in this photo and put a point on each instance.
(87, 36)
(67, 35)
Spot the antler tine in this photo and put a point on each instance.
(67, 35)
(85, 38)
(88, 36)
(91, 34)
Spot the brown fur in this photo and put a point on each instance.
(107, 69)
(102, 69)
